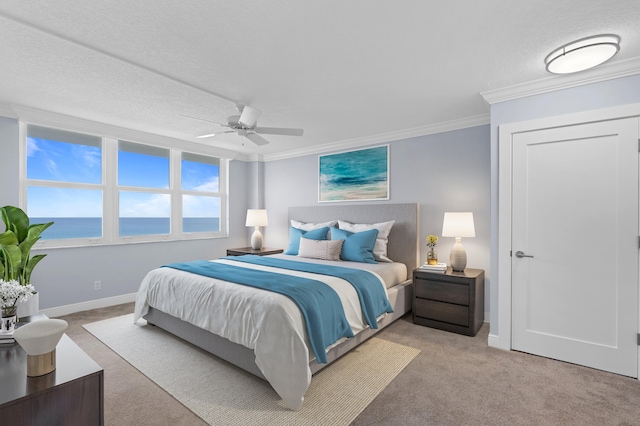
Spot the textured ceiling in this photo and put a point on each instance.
(343, 71)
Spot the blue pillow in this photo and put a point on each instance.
(357, 247)
(295, 234)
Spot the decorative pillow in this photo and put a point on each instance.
(320, 249)
(295, 234)
(357, 247)
(384, 228)
(310, 226)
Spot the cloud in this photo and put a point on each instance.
(64, 202)
(89, 156)
(32, 147)
(209, 186)
(200, 206)
(52, 166)
(144, 205)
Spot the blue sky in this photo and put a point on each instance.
(70, 162)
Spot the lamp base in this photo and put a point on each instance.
(256, 239)
(39, 365)
(458, 256)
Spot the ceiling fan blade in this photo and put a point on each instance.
(210, 135)
(249, 116)
(279, 131)
(202, 119)
(256, 138)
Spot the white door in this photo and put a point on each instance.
(575, 211)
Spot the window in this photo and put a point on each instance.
(100, 190)
(143, 190)
(201, 201)
(64, 182)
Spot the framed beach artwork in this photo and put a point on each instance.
(354, 175)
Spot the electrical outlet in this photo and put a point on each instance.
(97, 285)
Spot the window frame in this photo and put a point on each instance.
(111, 190)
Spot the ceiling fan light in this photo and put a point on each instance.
(249, 116)
(582, 54)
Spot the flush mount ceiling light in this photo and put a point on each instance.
(582, 54)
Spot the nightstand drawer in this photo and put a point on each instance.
(442, 291)
(439, 311)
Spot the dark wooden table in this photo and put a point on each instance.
(453, 301)
(250, 250)
(73, 394)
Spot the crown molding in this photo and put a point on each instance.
(607, 71)
(445, 126)
(69, 123)
(247, 157)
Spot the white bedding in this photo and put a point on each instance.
(269, 323)
(391, 273)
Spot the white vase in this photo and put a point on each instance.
(7, 324)
(30, 307)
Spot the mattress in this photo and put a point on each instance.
(269, 323)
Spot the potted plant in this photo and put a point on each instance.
(16, 242)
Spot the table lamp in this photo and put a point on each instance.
(257, 218)
(39, 340)
(458, 225)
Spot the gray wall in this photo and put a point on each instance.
(443, 172)
(66, 275)
(611, 93)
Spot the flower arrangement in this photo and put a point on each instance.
(432, 240)
(11, 293)
(432, 256)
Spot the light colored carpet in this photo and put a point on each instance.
(222, 394)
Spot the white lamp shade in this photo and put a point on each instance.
(257, 217)
(458, 224)
(40, 337)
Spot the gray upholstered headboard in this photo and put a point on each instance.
(403, 239)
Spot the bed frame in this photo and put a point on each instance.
(402, 247)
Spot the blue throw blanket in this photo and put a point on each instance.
(373, 300)
(319, 303)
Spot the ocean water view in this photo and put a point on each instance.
(91, 227)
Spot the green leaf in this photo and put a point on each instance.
(35, 230)
(16, 220)
(12, 258)
(8, 238)
(28, 268)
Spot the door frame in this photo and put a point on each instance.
(505, 179)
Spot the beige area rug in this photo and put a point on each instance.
(222, 394)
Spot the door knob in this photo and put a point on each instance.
(520, 254)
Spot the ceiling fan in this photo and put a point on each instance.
(245, 125)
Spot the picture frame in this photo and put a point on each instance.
(357, 175)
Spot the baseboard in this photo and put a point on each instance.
(86, 306)
(494, 341)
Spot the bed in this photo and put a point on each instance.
(246, 327)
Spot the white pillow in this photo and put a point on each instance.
(384, 228)
(320, 249)
(310, 226)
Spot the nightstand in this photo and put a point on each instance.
(453, 301)
(250, 250)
